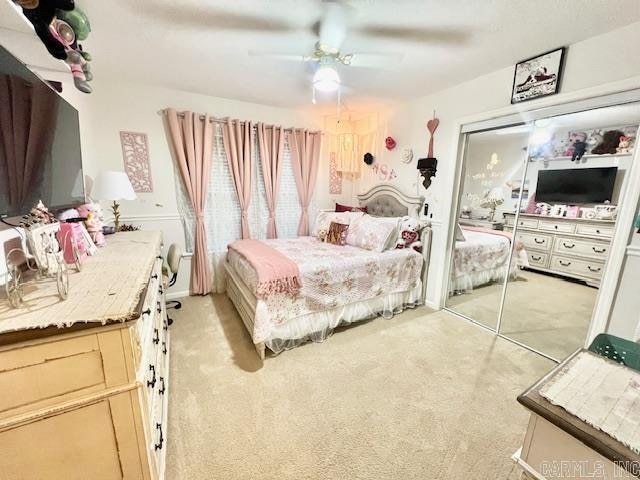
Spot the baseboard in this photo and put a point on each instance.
(432, 305)
(177, 295)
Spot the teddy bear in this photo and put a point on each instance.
(625, 145)
(609, 143)
(322, 234)
(409, 235)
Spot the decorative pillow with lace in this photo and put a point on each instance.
(337, 234)
(324, 219)
(373, 233)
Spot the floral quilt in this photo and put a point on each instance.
(332, 276)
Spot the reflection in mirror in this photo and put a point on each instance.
(494, 162)
(565, 223)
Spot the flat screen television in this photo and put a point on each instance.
(40, 157)
(576, 185)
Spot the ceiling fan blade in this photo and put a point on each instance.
(290, 57)
(421, 35)
(373, 60)
(332, 29)
(211, 17)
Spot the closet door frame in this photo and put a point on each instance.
(563, 104)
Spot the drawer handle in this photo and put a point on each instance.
(566, 245)
(147, 312)
(539, 242)
(158, 446)
(555, 226)
(158, 307)
(160, 291)
(162, 390)
(152, 383)
(597, 230)
(165, 326)
(535, 259)
(160, 257)
(156, 336)
(154, 276)
(564, 264)
(595, 270)
(164, 348)
(599, 250)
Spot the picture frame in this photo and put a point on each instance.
(538, 76)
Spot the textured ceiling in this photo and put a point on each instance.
(203, 46)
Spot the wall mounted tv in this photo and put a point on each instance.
(576, 185)
(40, 154)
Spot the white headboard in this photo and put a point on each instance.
(385, 200)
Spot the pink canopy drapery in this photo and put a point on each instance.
(28, 114)
(271, 145)
(305, 158)
(190, 137)
(237, 137)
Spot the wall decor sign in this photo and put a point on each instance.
(537, 76)
(135, 154)
(335, 178)
(384, 172)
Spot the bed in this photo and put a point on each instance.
(484, 258)
(341, 285)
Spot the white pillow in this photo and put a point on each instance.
(373, 233)
(324, 219)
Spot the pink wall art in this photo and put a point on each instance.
(335, 178)
(135, 154)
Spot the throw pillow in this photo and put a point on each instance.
(347, 208)
(337, 234)
(324, 219)
(373, 233)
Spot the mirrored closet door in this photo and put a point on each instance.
(537, 214)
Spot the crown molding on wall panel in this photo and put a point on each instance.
(633, 250)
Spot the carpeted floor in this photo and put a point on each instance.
(548, 313)
(422, 396)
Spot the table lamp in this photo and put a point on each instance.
(113, 186)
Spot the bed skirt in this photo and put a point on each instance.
(318, 326)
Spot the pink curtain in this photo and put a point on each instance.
(305, 157)
(238, 143)
(271, 144)
(28, 115)
(191, 140)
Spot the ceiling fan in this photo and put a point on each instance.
(332, 29)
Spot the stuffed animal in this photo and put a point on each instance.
(92, 212)
(60, 24)
(579, 149)
(409, 236)
(609, 143)
(625, 145)
(574, 137)
(322, 234)
(594, 139)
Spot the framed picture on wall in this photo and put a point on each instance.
(538, 76)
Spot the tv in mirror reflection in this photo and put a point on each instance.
(40, 157)
(576, 185)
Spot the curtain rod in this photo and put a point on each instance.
(224, 120)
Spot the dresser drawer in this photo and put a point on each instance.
(581, 268)
(560, 227)
(582, 248)
(537, 259)
(524, 222)
(535, 240)
(604, 231)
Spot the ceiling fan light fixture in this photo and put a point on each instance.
(326, 79)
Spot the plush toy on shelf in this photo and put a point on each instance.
(625, 145)
(409, 236)
(609, 143)
(60, 25)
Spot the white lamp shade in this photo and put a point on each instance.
(110, 185)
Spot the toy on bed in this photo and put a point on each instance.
(409, 235)
(60, 25)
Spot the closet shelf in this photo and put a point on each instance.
(604, 155)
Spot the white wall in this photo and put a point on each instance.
(593, 66)
(121, 106)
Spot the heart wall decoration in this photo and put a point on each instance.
(432, 125)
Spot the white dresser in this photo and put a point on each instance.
(84, 382)
(572, 247)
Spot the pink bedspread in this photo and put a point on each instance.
(276, 272)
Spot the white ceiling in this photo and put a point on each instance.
(203, 46)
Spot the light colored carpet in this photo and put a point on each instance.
(548, 313)
(421, 396)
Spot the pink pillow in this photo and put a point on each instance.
(347, 208)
